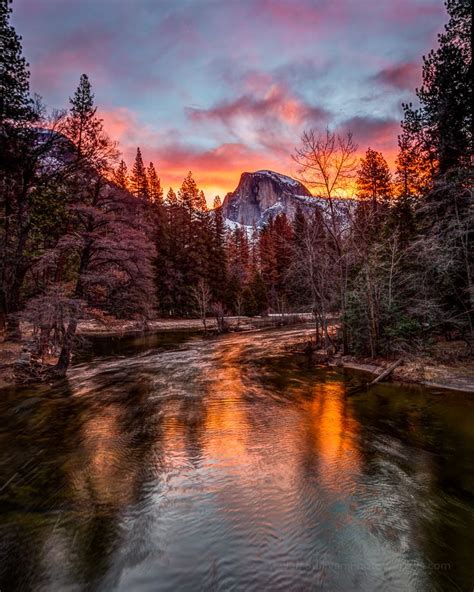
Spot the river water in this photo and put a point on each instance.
(184, 464)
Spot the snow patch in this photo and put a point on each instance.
(278, 177)
(233, 225)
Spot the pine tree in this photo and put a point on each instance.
(203, 239)
(374, 178)
(138, 179)
(120, 176)
(188, 194)
(441, 128)
(15, 100)
(17, 171)
(94, 150)
(374, 185)
(413, 173)
(171, 198)
(84, 128)
(105, 243)
(154, 185)
(169, 256)
(445, 115)
(282, 237)
(217, 265)
(201, 204)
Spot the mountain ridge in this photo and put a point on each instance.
(264, 194)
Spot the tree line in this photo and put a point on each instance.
(81, 237)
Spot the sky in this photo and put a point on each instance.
(220, 87)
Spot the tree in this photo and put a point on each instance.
(441, 131)
(217, 262)
(188, 195)
(27, 139)
(154, 185)
(29, 191)
(444, 118)
(120, 175)
(171, 199)
(327, 163)
(312, 268)
(105, 238)
(15, 101)
(274, 248)
(138, 179)
(238, 263)
(382, 315)
(202, 297)
(413, 176)
(374, 184)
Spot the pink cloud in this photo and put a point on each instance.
(268, 105)
(123, 125)
(404, 76)
(378, 133)
(276, 102)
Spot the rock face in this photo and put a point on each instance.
(264, 194)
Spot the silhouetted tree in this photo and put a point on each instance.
(120, 176)
(15, 100)
(154, 185)
(138, 179)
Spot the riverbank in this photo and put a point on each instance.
(423, 370)
(118, 328)
(447, 365)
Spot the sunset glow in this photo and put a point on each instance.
(196, 94)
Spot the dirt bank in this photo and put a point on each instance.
(446, 365)
(457, 376)
(92, 328)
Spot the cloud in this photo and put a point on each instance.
(124, 126)
(276, 103)
(402, 76)
(222, 87)
(268, 115)
(374, 132)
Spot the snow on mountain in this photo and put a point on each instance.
(264, 194)
(279, 178)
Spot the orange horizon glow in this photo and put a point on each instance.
(220, 183)
(217, 171)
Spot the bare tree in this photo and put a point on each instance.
(327, 163)
(313, 267)
(202, 297)
(219, 312)
(239, 305)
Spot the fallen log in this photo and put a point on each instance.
(380, 377)
(386, 372)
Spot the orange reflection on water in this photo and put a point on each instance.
(333, 431)
(226, 421)
(102, 468)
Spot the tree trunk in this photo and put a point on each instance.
(66, 350)
(12, 328)
(11, 307)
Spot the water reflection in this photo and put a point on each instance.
(213, 465)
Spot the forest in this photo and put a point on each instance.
(84, 237)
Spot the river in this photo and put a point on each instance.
(187, 464)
